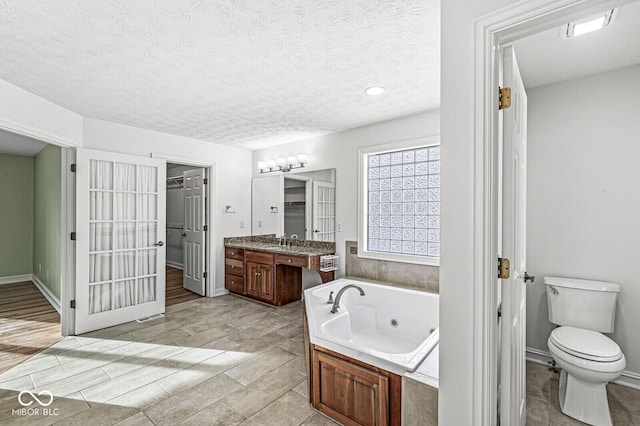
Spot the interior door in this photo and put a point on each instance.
(324, 211)
(120, 224)
(514, 185)
(195, 238)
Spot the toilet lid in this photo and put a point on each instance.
(586, 344)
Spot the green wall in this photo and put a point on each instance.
(46, 217)
(16, 215)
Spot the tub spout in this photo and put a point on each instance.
(336, 303)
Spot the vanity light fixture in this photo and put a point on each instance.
(374, 90)
(590, 24)
(283, 164)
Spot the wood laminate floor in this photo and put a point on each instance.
(175, 292)
(28, 323)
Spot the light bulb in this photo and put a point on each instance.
(291, 160)
(302, 158)
(262, 165)
(281, 161)
(271, 164)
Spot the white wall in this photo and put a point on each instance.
(340, 151)
(457, 264)
(232, 174)
(583, 195)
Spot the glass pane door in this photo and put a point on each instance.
(123, 251)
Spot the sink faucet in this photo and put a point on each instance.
(282, 241)
(336, 303)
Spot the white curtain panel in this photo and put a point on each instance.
(123, 196)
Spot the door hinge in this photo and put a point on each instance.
(500, 311)
(73, 168)
(504, 97)
(204, 275)
(205, 228)
(73, 236)
(503, 268)
(205, 181)
(73, 304)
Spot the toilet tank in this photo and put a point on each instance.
(582, 303)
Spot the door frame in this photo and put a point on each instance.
(491, 31)
(67, 212)
(308, 213)
(210, 175)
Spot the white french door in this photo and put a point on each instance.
(514, 233)
(120, 228)
(324, 211)
(194, 221)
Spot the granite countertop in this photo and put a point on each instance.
(270, 244)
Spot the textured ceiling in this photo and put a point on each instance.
(549, 57)
(246, 73)
(12, 144)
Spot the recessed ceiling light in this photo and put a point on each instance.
(374, 90)
(590, 24)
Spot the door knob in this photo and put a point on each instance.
(159, 244)
(529, 278)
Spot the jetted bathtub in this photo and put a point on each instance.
(389, 327)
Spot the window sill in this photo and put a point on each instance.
(402, 258)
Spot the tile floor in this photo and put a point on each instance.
(221, 361)
(543, 406)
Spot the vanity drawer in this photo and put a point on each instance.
(284, 259)
(234, 267)
(259, 257)
(234, 283)
(234, 253)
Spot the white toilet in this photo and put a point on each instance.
(588, 359)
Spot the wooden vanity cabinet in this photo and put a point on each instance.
(234, 270)
(268, 277)
(260, 282)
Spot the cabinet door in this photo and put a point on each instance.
(251, 279)
(348, 393)
(265, 282)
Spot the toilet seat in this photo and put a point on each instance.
(586, 344)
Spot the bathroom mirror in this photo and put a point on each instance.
(296, 204)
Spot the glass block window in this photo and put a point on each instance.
(403, 201)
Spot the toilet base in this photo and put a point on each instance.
(584, 401)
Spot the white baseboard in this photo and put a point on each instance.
(175, 265)
(15, 279)
(55, 302)
(628, 378)
(220, 292)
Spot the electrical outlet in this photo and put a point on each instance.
(47, 273)
(242, 224)
(339, 227)
(259, 224)
(39, 267)
(353, 250)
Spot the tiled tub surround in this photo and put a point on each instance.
(408, 275)
(270, 243)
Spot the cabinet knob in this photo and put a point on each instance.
(233, 253)
(289, 260)
(233, 266)
(233, 282)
